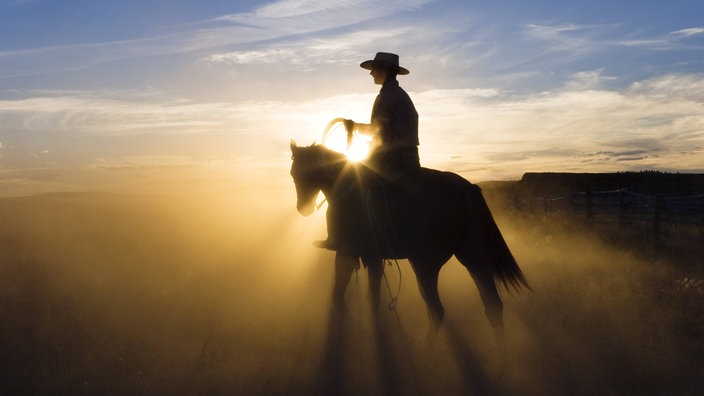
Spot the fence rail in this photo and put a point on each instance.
(625, 208)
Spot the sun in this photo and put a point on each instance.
(357, 151)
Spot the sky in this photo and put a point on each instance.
(95, 94)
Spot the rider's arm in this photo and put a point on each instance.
(363, 129)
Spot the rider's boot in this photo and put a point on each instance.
(325, 244)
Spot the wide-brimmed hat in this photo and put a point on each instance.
(386, 59)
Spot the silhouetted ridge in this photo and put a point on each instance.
(646, 182)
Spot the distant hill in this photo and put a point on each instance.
(646, 182)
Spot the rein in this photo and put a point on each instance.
(392, 296)
(373, 221)
(323, 164)
(320, 205)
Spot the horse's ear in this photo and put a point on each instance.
(293, 145)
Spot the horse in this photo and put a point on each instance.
(427, 221)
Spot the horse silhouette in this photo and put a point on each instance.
(426, 220)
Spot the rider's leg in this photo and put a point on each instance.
(331, 220)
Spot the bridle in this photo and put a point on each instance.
(321, 166)
(314, 172)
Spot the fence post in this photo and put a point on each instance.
(590, 204)
(621, 208)
(545, 206)
(657, 218)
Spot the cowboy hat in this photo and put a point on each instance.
(386, 59)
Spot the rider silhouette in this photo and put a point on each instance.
(394, 131)
(394, 119)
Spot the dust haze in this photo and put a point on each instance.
(219, 291)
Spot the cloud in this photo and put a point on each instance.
(288, 9)
(653, 124)
(88, 114)
(571, 38)
(675, 40)
(141, 162)
(555, 32)
(585, 80)
(582, 38)
(543, 53)
(685, 33)
(690, 86)
(248, 57)
(657, 123)
(28, 174)
(335, 49)
(275, 21)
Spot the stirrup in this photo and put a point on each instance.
(325, 244)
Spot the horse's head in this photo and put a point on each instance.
(312, 169)
(304, 178)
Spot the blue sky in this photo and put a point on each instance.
(95, 88)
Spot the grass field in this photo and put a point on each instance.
(128, 294)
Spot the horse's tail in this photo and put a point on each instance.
(503, 265)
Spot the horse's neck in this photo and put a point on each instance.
(348, 179)
(330, 179)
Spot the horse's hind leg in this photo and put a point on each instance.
(427, 277)
(493, 307)
(489, 294)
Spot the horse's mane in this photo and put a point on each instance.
(318, 155)
(329, 153)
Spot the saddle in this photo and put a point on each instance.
(359, 209)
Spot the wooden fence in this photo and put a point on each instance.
(625, 208)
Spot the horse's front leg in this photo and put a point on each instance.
(344, 267)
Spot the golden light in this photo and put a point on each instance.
(358, 150)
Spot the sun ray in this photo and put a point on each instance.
(359, 148)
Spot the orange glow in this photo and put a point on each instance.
(357, 151)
